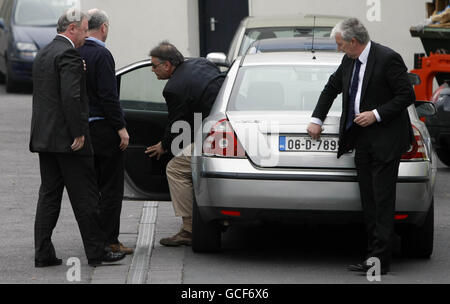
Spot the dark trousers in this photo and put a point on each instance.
(109, 166)
(76, 173)
(377, 183)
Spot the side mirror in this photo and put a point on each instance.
(219, 59)
(414, 79)
(2, 24)
(425, 108)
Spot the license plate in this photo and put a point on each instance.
(307, 144)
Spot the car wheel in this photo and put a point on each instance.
(417, 241)
(11, 85)
(444, 156)
(206, 236)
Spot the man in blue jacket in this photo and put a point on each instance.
(106, 125)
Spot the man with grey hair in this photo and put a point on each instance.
(376, 92)
(60, 134)
(107, 126)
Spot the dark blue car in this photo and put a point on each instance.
(26, 26)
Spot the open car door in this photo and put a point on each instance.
(146, 116)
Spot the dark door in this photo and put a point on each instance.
(219, 19)
(146, 115)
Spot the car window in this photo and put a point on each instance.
(40, 12)
(141, 90)
(251, 35)
(280, 88)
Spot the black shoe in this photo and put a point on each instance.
(364, 267)
(109, 257)
(47, 263)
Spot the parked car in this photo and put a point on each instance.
(256, 28)
(254, 159)
(26, 26)
(439, 125)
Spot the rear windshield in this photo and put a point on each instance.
(41, 12)
(280, 88)
(254, 34)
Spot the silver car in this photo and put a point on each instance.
(254, 28)
(255, 160)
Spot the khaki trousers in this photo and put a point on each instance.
(179, 176)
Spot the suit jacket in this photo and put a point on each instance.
(387, 89)
(192, 88)
(60, 104)
(101, 84)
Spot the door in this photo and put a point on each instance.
(146, 116)
(219, 19)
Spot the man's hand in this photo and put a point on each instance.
(156, 150)
(124, 139)
(314, 130)
(365, 119)
(78, 143)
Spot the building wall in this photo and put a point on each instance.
(138, 25)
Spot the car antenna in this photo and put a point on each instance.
(314, 33)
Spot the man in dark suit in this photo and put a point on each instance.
(376, 93)
(60, 134)
(192, 88)
(107, 126)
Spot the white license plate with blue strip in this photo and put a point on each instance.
(307, 144)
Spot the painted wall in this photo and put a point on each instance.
(139, 25)
(136, 26)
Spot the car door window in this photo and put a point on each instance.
(140, 89)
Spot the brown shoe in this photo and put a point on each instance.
(121, 248)
(181, 238)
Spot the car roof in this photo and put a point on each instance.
(293, 44)
(292, 20)
(292, 58)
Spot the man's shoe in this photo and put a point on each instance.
(181, 238)
(121, 248)
(47, 263)
(109, 257)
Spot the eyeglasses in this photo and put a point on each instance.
(154, 66)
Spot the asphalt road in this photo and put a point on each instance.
(254, 253)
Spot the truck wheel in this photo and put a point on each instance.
(417, 241)
(444, 156)
(206, 236)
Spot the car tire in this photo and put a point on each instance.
(10, 84)
(417, 241)
(206, 236)
(444, 156)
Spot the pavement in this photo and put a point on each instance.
(143, 222)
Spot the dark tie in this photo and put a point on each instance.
(353, 92)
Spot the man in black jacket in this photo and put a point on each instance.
(192, 88)
(376, 93)
(107, 126)
(60, 134)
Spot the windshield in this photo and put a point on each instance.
(281, 88)
(254, 34)
(41, 12)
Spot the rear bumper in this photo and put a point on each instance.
(237, 184)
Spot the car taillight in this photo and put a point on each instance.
(222, 141)
(417, 152)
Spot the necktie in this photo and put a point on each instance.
(353, 92)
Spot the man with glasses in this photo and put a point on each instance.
(192, 88)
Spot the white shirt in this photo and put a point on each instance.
(71, 42)
(363, 59)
